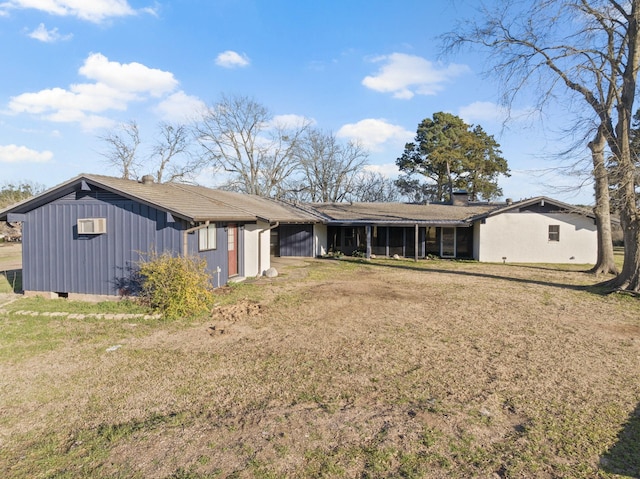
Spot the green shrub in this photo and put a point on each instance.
(176, 287)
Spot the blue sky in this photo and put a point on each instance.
(365, 70)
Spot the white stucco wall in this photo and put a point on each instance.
(256, 249)
(524, 238)
(320, 239)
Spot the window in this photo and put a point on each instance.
(92, 226)
(554, 232)
(207, 238)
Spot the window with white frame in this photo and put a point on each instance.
(207, 238)
(554, 233)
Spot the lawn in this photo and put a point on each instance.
(10, 267)
(334, 369)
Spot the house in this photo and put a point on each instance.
(536, 230)
(87, 235)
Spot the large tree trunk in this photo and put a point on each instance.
(629, 278)
(606, 262)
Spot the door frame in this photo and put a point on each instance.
(232, 249)
(442, 242)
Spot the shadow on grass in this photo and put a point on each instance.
(624, 456)
(589, 288)
(11, 280)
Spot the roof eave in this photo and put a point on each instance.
(377, 222)
(531, 201)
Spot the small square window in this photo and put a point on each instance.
(207, 238)
(554, 232)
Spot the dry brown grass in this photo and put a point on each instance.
(339, 369)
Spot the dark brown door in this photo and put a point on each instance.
(232, 240)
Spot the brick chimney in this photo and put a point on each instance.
(460, 198)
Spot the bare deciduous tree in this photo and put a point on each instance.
(240, 136)
(174, 143)
(122, 145)
(373, 186)
(329, 167)
(591, 48)
(169, 158)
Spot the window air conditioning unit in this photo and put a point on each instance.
(92, 226)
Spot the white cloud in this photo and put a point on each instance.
(81, 97)
(22, 154)
(90, 10)
(388, 170)
(130, 77)
(231, 59)
(48, 36)
(484, 111)
(179, 107)
(291, 121)
(488, 112)
(116, 86)
(88, 122)
(373, 133)
(407, 75)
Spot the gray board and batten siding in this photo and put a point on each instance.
(61, 260)
(296, 240)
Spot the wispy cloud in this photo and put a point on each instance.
(408, 75)
(179, 107)
(22, 154)
(95, 11)
(115, 86)
(388, 170)
(231, 59)
(488, 112)
(374, 133)
(48, 36)
(482, 111)
(290, 120)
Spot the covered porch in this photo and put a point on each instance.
(408, 241)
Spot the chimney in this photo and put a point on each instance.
(460, 198)
(147, 180)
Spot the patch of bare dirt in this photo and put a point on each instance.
(225, 317)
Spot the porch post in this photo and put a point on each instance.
(415, 249)
(368, 230)
(387, 242)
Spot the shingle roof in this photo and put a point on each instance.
(187, 201)
(398, 213)
(198, 203)
(194, 203)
